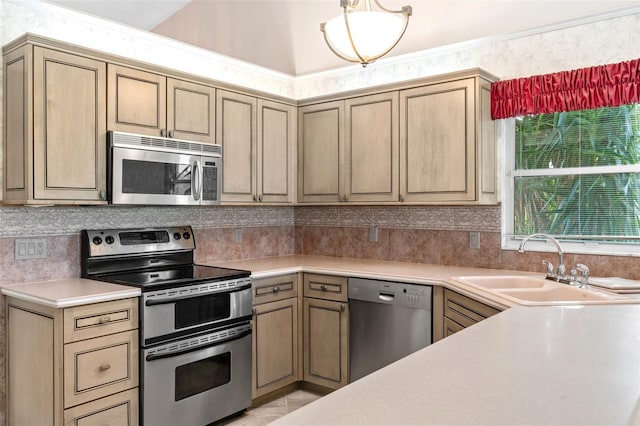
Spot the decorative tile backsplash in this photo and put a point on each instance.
(475, 218)
(28, 221)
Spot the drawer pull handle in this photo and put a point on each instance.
(276, 289)
(323, 287)
(104, 320)
(105, 367)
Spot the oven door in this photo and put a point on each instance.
(140, 176)
(169, 314)
(187, 384)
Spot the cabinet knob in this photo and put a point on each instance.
(103, 194)
(402, 198)
(341, 307)
(255, 198)
(254, 312)
(105, 367)
(163, 133)
(276, 289)
(323, 287)
(104, 320)
(171, 133)
(260, 198)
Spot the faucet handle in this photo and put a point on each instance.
(562, 272)
(573, 280)
(549, 266)
(584, 278)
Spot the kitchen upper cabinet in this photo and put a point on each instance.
(447, 143)
(55, 127)
(236, 123)
(156, 105)
(275, 143)
(257, 138)
(349, 150)
(321, 152)
(371, 148)
(276, 334)
(326, 330)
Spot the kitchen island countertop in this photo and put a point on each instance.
(534, 366)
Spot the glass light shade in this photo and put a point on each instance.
(373, 33)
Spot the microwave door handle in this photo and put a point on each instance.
(196, 180)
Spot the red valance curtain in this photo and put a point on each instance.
(585, 88)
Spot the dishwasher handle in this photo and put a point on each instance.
(386, 296)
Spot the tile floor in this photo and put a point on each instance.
(267, 413)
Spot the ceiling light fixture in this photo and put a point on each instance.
(362, 34)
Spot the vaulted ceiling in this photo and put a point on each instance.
(284, 35)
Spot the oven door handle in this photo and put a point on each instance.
(154, 302)
(153, 357)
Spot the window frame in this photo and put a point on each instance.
(584, 246)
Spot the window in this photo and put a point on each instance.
(576, 175)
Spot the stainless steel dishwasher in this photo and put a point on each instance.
(387, 321)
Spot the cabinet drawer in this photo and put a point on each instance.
(464, 310)
(327, 287)
(451, 327)
(99, 319)
(98, 367)
(275, 288)
(120, 409)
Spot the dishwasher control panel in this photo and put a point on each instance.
(393, 293)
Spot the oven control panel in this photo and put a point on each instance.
(109, 242)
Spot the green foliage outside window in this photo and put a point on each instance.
(578, 173)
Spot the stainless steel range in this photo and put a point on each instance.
(195, 322)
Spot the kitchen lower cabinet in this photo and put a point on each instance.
(54, 127)
(461, 312)
(276, 334)
(76, 365)
(326, 331)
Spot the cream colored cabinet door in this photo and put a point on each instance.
(371, 148)
(274, 173)
(191, 111)
(236, 132)
(137, 101)
(69, 121)
(321, 153)
(275, 346)
(437, 142)
(326, 355)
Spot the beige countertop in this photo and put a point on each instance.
(534, 366)
(418, 273)
(69, 292)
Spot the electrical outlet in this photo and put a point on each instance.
(474, 240)
(238, 235)
(373, 234)
(30, 248)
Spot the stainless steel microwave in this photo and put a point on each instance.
(162, 171)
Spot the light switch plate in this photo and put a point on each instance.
(30, 248)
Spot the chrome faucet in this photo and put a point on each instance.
(561, 274)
